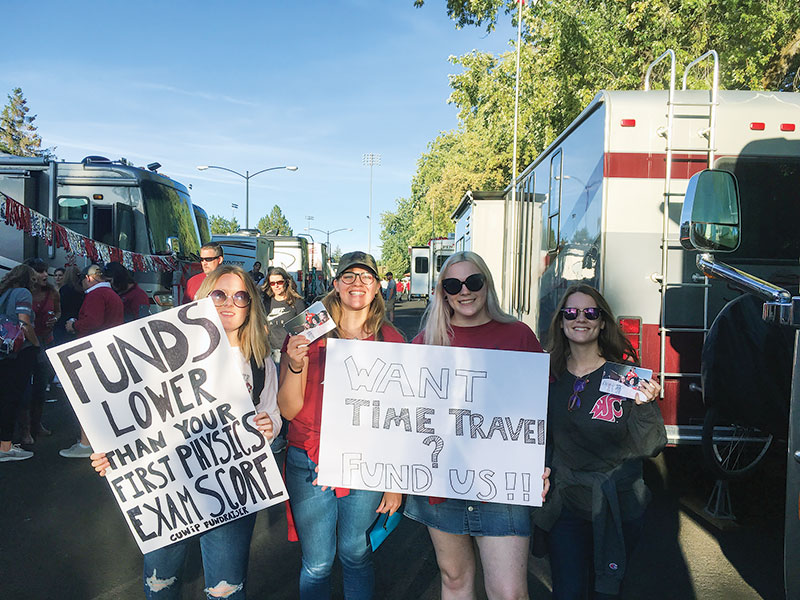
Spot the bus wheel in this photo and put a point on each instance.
(732, 451)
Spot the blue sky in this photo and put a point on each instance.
(249, 85)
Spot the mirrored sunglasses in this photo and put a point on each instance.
(592, 313)
(575, 400)
(474, 283)
(240, 299)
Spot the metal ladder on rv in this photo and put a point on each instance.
(706, 112)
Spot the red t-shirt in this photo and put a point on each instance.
(491, 336)
(304, 428)
(193, 285)
(494, 336)
(135, 303)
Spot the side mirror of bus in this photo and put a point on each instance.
(710, 215)
(174, 245)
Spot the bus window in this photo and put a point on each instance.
(103, 224)
(169, 214)
(440, 260)
(554, 202)
(73, 209)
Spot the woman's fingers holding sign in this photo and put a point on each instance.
(264, 425)
(100, 463)
(648, 391)
(546, 483)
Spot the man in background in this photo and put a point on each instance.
(210, 258)
(390, 296)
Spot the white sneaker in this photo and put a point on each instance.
(77, 450)
(16, 453)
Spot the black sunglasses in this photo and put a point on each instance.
(592, 313)
(240, 299)
(208, 258)
(474, 282)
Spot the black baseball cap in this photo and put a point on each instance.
(358, 258)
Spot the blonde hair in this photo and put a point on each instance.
(436, 326)
(253, 340)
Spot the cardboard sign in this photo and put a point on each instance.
(161, 396)
(434, 421)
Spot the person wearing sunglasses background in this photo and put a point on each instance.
(596, 442)
(225, 549)
(327, 521)
(282, 303)
(465, 312)
(211, 256)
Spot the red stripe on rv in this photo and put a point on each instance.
(643, 165)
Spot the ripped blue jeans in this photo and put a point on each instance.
(225, 551)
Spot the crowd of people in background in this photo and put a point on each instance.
(594, 495)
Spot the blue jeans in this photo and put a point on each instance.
(326, 523)
(226, 552)
(571, 546)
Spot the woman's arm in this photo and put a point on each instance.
(646, 433)
(294, 370)
(268, 417)
(27, 328)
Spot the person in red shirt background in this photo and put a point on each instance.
(101, 309)
(135, 302)
(211, 256)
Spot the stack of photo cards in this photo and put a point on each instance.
(623, 380)
(312, 323)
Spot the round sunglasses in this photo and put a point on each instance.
(592, 313)
(474, 283)
(240, 299)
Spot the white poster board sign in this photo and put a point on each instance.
(434, 421)
(162, 397)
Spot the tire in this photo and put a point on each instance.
(732, 451)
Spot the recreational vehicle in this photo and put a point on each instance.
(125, 207)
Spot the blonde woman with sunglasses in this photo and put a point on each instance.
(464, 312)
(226, 548)
(596, 442)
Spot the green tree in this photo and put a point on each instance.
(17, 132)
(221, 225)
(275, 223)
(396, 235)
(337, 254)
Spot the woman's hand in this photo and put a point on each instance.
(648, 391)
(390, 502)
(264, 425)
(546, 484)
(297, 351)
(324, 487)
(100, 463)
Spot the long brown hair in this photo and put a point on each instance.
(288, 284)
(253, 340)
(72, 278)
(19, 276)
(613, 344)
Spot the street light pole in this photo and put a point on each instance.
(247, 177)
(370, 160)
(328, 233)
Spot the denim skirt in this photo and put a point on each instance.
(470, 517)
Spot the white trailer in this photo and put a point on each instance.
(291, 253)
(601, 206)
(440, 251)
(420, 271)
(244, 248)
(479, 220)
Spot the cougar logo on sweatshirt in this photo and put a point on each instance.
(607, 408)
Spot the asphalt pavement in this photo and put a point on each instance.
(64, 537)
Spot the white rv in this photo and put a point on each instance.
(291, 253)
(420, 271)
(601, 205)
(440, 251)
(110, 202)
(479, 221)
(244, 248)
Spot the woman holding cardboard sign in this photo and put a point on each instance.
(326, 520)
(226, 548)
(596, 441)
(464, 312)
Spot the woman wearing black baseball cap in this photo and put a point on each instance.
(326, 520)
